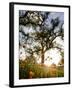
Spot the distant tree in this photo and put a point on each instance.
(44, 33)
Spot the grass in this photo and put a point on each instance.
(34, 70)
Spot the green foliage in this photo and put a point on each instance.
(60, 71)
(25, 66)
(29, 64)
(62, 54)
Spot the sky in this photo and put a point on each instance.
(57, 14)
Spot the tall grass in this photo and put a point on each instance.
(34, 70)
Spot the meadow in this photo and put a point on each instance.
(29, 70)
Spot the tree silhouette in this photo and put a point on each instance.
(42, 34)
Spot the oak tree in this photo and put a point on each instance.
(42, 32)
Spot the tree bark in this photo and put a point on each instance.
(42, 55)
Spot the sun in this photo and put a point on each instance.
(52, 56)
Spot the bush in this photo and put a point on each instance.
(30, 64)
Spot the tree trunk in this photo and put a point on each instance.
(42, 55)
